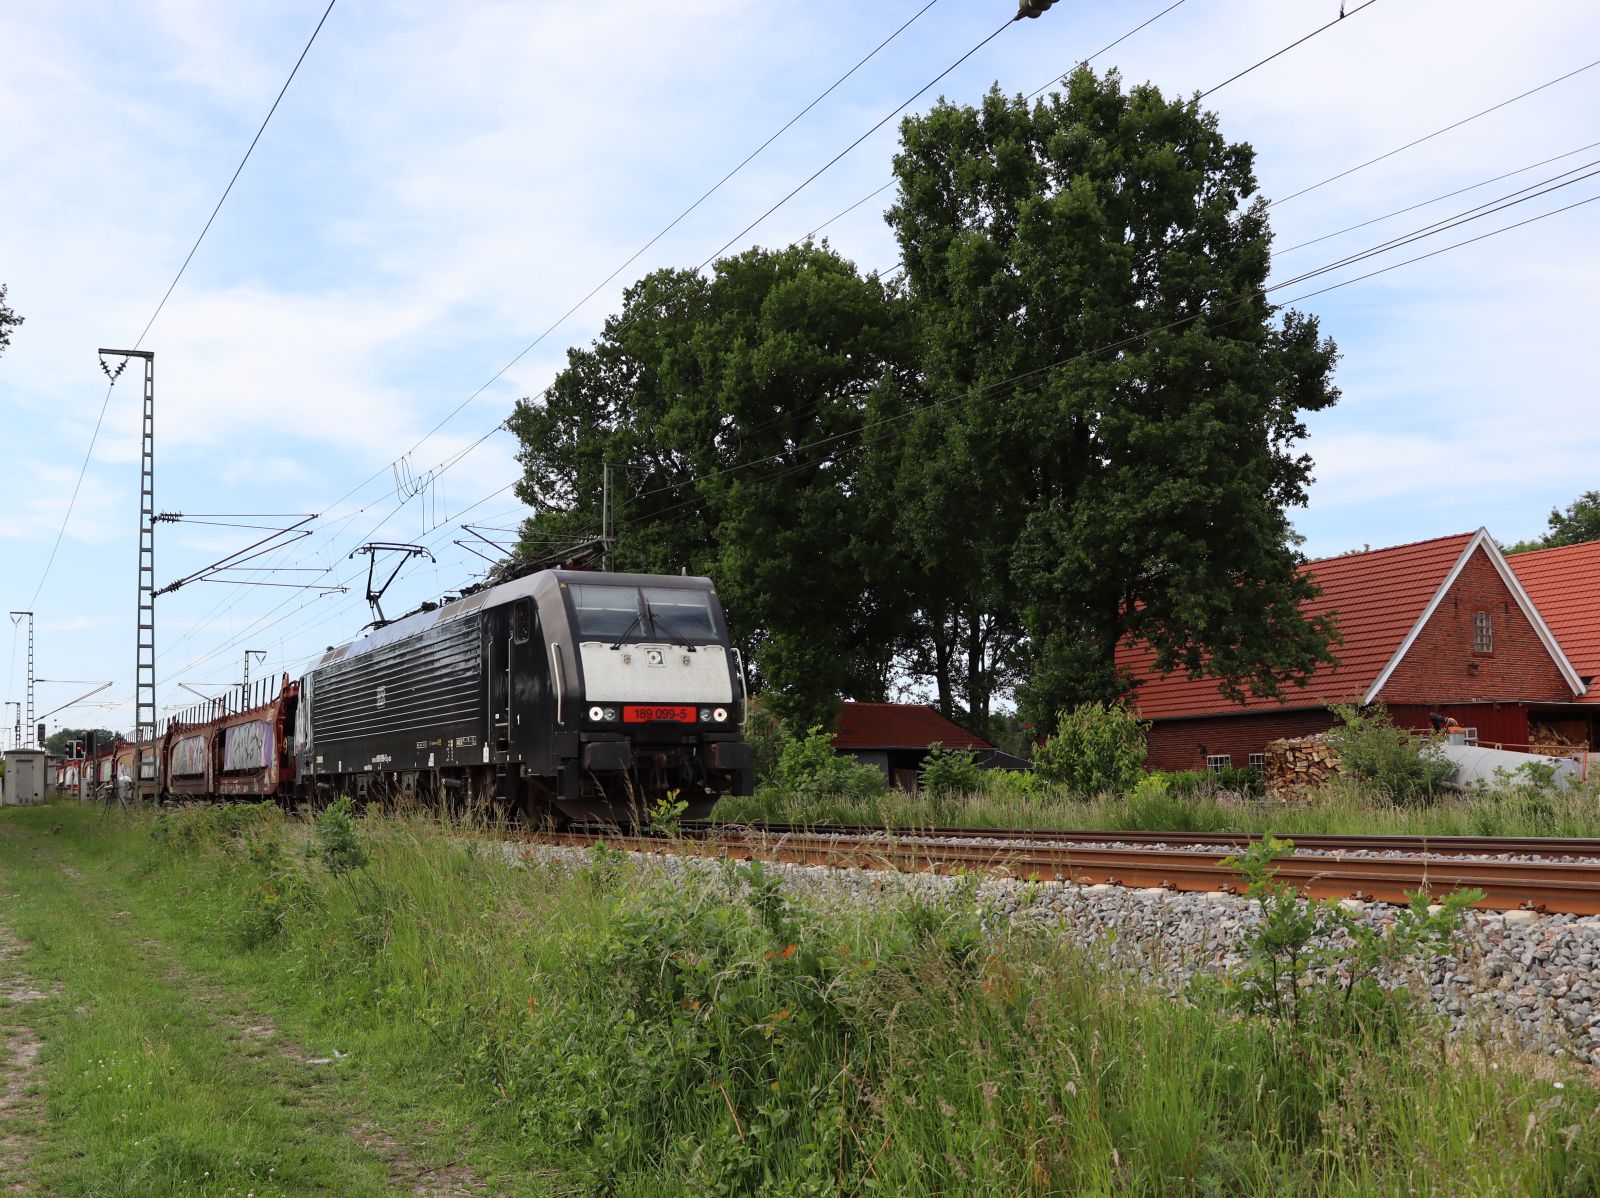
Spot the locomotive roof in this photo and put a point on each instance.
(534, 585)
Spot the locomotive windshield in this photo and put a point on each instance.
(606, 613)
(614, 613)
(680, 615)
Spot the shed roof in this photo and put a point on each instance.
(1564, 585)
(899, 726)
(1377, 598)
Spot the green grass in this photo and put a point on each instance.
(595, 1029)
(1341, 807)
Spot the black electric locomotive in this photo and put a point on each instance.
(575, 694)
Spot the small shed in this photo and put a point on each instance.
(27, 772)
(895, 737)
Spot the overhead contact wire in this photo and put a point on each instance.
(105, 403)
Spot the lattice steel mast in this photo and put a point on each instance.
(144, 687)
(33, 731)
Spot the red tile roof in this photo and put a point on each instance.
(1564, 585)
(1376, 597)
(899, 726)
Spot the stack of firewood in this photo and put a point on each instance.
(1544, 739)
(1297, 768)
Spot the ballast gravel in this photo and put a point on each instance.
(1518, 978)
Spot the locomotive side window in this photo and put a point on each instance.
(680, 615)
(606, 613)
(522, 621)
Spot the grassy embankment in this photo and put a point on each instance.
(1341, 806)
(599, 1029)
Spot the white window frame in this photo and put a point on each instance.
(1217, 762)
(1483, 632)
(1258, 762)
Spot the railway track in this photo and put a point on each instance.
(1334, 871)
(1540, 846)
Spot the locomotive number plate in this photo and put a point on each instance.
(645, 715)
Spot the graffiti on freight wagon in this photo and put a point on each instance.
(248, 746)
(189, 757)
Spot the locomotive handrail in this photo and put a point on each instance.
(744, 689)
(559, 676)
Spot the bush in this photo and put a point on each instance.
(810, 768)
(1308, 960)
(1097, 749)
(1405, 767)
(338, 843)
(764, 731)
(1239, 778)
(1157, 806)
(1208, 783)
(950, 771)
(1014, 786)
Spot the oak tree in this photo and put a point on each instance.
(737, 412)
(1114, 389)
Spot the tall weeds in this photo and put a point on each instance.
(634, 1032)
(1003, 800)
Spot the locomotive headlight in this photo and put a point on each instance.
(705, 715)
(611, 714)
(597, 714)
(720, 715)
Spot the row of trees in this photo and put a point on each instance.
(1073, 417)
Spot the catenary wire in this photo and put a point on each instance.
(1265, 290)
(1430, 136)
(106, 402)
(1300, 245)
(256, 627)
(498, 426)
(1169, 8)
(432, 475)
(1148, 21)
(642, 249)
(885, 119)
(1202, 95)
(1343, 16)
(1015, 380)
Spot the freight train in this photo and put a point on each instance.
(562, 695)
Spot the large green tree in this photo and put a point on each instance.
(1580, 522)
(1115, 393)
(739, 415)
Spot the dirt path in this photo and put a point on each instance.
(192, 1033)
(19, 1066)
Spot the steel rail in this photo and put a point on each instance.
(1507, 885)
(1332, 842)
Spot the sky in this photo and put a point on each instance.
(442, 183)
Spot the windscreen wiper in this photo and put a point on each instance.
(657, 622)
(623, 635)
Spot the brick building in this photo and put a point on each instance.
(1564, 585)
(1437, 626)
